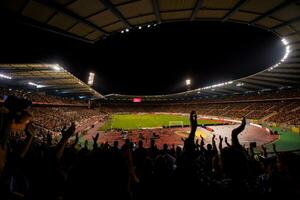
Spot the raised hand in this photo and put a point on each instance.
(193, 119)
(202, 139)
(95, 139)
(235, 132)
(226, 142)
(221, 138)
(66, 134)
(220, 143)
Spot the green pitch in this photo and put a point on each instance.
(136, 121)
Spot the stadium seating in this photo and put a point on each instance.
(279, 106)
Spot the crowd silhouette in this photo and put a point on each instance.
(34, 169)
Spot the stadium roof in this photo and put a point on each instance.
(92, 20)
(50, 78)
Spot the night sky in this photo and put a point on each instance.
(154, 60)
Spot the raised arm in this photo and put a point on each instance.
(214, 143)
(235, 132)
(194, 124)
(202, 148)
(28, 140)
(66, 134)
(274, 149)
(226, 142)
(95, 139)
(220, 143)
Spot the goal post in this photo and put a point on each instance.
(175, 124)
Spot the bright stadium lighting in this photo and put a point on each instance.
(154, 24)
(91, 78)
(36, 85)
(127, 30)
(149, 26)
(5, 76)
(56, 67)
(187, 82)
(140, 27)
(284, 41)
(122, 31)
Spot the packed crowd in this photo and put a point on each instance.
(37, 97)
(32, 170)
(55, 118)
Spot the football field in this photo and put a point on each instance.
(138, 121)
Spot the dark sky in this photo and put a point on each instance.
(153, 60)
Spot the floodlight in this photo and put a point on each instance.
(56, 67)
(36, 85)
(188, 82)
(284, 41)
(5, 76)
(91, 78)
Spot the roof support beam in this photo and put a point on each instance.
(155, 6)
(288, 70)
(196, 9)
(280, 75)
(273, 10)
(61, 9)
(110, 6)
(262, 83)
(42, 78)
(275, 80)
(234, 9)
(291, 34)
(35, 24)
(286, 23)
(254, 86)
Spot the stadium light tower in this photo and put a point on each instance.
(188, 84)
(91, 78)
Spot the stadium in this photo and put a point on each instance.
(63, 137)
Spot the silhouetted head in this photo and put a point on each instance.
(234, 163)
(116, 144)
(152, 142)
(165, 147)
(209, 147)
(141, 144)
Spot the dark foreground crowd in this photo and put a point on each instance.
(44, 170)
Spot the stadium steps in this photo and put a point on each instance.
(245, 108)
(295, 109)
(249, 113)
(269, 116)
